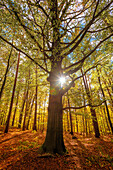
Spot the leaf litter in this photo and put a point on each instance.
(19, 151)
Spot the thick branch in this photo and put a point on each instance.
(74, 70)
(24, 53)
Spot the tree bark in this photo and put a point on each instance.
(54, 138)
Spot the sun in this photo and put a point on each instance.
(62, 80)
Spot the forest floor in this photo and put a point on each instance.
(19, 151)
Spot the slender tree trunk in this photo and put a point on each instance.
(93, 113)
(35, 115)
(109, 119)
(67, 122)
(77, 123)
(26, 110)
(5, 76)
(39, 114)
(30, 112)
(21, 112)
(12, 98)
(44, 112)
(108, 126)
(71, 123)
(28, 100)
(111, 100)
(15, 109)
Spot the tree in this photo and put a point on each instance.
(56, 30)
(5, 76)
(35, 115)
(103, 94)
(93, 113)
(12, 98)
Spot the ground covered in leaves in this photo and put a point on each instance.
(19, 150)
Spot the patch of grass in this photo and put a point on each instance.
(32, 144)
(24, 142)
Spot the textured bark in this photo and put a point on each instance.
(54, 138)
(12, 98)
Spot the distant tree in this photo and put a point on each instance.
(12, 98)
(5, 76)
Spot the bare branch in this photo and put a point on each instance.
(84, 106)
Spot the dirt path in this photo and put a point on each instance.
(19, 150)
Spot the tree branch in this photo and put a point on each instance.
(84, 106)
(25, 28)
(63, 91)
(24, 53)
(84, 31)
(83, 59)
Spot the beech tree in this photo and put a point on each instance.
(55, 30)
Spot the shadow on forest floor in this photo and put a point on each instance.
(19, 150)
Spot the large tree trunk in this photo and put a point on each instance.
(54, 138)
